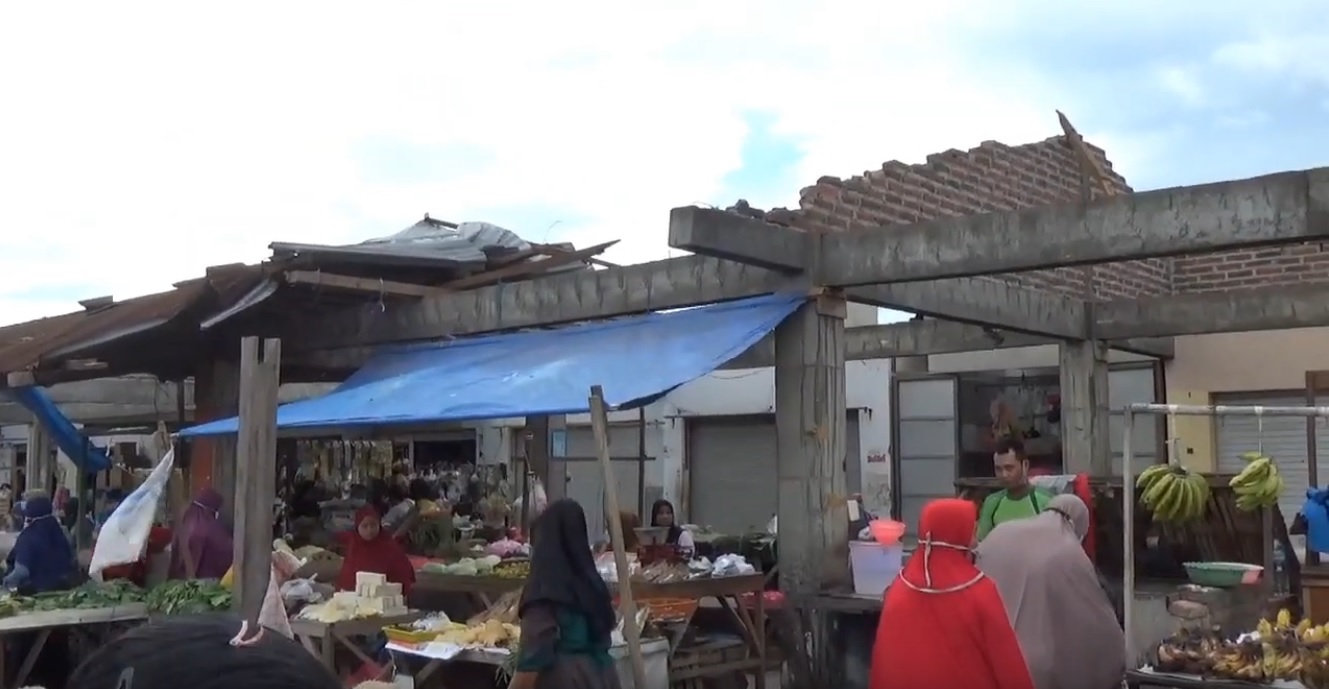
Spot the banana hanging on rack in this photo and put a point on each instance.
(1259, 484)
(1173, 493)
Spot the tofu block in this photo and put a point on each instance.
(369, 579)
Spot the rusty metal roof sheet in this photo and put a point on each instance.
(25, 345)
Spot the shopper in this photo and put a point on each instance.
(566, 611)
(942, 622)
(202, 548)
(1064, 620)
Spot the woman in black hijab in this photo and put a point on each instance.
(662, 516)
(566, 611)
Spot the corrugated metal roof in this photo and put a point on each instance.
(25, 345)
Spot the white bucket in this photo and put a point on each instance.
(655, 656)
(874, 566)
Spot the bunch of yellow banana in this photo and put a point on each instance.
(1172, 493)
(1259, 483)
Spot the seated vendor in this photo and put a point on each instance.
(1018, 498)
(42, 558)
(369, 547)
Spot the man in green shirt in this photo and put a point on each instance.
(1018, 498)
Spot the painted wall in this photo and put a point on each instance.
(1205, 365)
(752, 391)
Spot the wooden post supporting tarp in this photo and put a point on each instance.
(255, 476)
(626, 604)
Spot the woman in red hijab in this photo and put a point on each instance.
(943, 625)
(371, 548)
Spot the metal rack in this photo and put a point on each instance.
(1128, 485)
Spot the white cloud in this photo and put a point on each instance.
(143, 141)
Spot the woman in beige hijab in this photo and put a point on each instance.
(1063, 619)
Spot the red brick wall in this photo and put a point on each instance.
(991, 177)
(1245, 268)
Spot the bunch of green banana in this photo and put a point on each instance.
(1259, 483)
(1172, 493)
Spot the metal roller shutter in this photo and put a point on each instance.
(926, 445)
(585, 480)
(731, 464)
(1282, 438)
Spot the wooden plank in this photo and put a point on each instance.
(72, 617)
(1088, 162)
(347, 283)
(456, 583)
(627, 603)
(523, 269)
(255, 473)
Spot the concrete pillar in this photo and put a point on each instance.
(1085, 444)
(810, 450)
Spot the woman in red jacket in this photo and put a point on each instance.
(943, 624)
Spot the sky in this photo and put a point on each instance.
(143, 141)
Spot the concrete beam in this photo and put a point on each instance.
(984, 302)
(99, 413)
(1272, 308)
(922, 338)
(715, 233)
(1283, 208)
(912, 338)
(567, 298)
(981, 301)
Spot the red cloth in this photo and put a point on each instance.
(943, 625)
(1081, 489)
(382, 555)
(137, 572)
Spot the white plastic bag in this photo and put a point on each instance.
(124, 536)
(273, 613)
(539, 499)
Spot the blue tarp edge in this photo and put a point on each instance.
(66, 435)
(777, 307)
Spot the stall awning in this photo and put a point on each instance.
(71, 441)
(634, 360)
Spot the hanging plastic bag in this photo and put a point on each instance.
(1316, 514)
(273, 613)
(124, 537)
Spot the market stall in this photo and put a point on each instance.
(90, 611)
(346, 618)
(1278, 652)
(86, 622)
(671, 598)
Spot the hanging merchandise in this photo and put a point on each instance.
(1259, 484)
(1172, 492)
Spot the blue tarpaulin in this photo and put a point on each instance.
(634, 359)
(68, 438)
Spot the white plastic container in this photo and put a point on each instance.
(655, 656)
(874, 566)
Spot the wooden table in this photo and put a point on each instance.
(728, 592)
(322, 638)
(44, 622)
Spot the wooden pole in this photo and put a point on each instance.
(255, 478)
(627, 606)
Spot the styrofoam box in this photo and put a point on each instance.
(874, 566)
